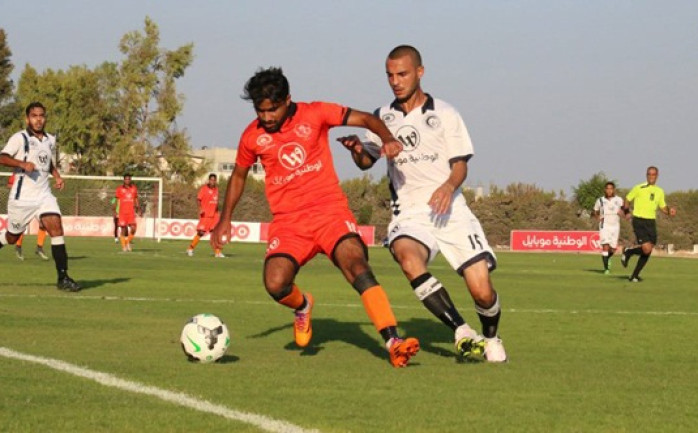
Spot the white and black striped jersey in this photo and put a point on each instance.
(433, 136)
(25, 146)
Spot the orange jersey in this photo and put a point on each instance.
(208, 201)
(127, 199)
(297, 160)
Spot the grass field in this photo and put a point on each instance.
(587, 352)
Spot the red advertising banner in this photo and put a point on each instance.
(544, 240)
(168, 228)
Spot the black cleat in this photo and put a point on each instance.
(624, 258)
(68, 284)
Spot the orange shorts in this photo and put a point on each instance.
(127, 219)
(207, 223)
(302, 235)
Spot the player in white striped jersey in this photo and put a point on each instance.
(429, 211)
(608, 210)
(31, 154)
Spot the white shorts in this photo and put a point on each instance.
(609, 235)
(457, 235)
(21, 212)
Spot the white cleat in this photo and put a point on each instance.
(190, 252)
(219, 256)
(494, 350)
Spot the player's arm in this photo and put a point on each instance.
(440, 200)
(391, 147)
(363, 159)
(236, 185)
(60, 184)
(8, 161)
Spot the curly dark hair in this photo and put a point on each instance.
(267, 83)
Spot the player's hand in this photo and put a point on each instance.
(60, 184)
(27, 166)
(220, 235)
(352, 142)
(391, 149)
(440, 200)
(672, 211)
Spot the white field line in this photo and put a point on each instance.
(178, 398)
(416, 306)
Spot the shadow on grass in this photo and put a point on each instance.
(431, 335)
(91, 284)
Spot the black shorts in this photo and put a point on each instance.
(645, 230)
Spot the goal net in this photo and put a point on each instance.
(87, 206)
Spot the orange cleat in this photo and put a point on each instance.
(402, 350)
(302, 328)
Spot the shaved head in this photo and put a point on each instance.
(406, 50)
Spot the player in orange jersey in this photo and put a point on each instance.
(208, 213)
(127, 199)
(310, 211)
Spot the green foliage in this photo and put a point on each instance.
(588, 191)
(119, 117)
(8, 106)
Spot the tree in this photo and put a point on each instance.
(8, 106)
(588, 191)
(147, 104)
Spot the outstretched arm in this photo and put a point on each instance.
(361, 157)
(391, 147)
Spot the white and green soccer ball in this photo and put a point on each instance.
(205, 338)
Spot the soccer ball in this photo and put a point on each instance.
(205, 338)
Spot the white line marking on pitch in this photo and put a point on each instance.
(181, 399)
(417, 306)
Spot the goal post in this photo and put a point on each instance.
(91, 196)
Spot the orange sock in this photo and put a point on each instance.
(218, 251)
(130, 237)
(194, 242)
(40, 238)
(294, 299)
(378, 307)
(19, 241)
(123, 241)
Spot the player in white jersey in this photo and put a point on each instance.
(31, 154)
(429, 211)
(608, 210)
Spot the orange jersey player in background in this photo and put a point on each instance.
(127, 198)
(310, 211)
(208, 214)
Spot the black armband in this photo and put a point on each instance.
(626, 210)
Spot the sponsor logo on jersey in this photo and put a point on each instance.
(409, 137)
(292, 156)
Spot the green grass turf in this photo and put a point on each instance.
(587, 351)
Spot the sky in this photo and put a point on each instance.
(552, 92)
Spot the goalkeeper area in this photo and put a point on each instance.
(87, 203)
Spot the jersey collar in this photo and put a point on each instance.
(428, 105)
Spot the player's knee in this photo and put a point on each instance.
(279, 292)
(487, 304)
